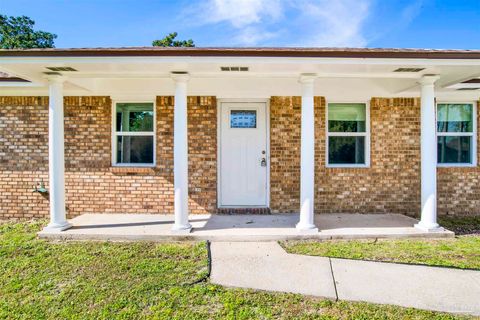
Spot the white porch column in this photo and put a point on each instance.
(180, 154)
(307, 156)
(56, 159)
(428, 150)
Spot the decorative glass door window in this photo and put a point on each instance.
(347, 134)
(243, 119)
(134, 134)
(455, 133)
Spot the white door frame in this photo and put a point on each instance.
(219, 146)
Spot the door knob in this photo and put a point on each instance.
(263, 163)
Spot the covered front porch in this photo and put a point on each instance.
(304, 224)
(245, 227)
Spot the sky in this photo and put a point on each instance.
(440, 24)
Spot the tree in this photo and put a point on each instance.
(169, 41)
(18, 33)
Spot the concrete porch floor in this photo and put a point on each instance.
(157, 227)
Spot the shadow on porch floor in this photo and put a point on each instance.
(156, 227)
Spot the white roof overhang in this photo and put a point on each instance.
(338, 78)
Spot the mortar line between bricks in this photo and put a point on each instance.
(333, 278)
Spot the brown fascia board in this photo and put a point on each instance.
(245, 52)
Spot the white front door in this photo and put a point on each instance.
(243, 154)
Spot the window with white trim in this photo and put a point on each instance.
(134, 134)
(456, 133)
(347, 135)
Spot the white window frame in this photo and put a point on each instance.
(115, 134)
(473, 134)
(365, 134)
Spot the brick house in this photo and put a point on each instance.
(227, 130)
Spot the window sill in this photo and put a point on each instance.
(127, 170)
(456, 165)
(347, 166)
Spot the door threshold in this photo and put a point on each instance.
(244, 210)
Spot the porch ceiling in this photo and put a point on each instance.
(339, 78)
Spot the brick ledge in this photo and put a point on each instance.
(126, 170)
(243, 211)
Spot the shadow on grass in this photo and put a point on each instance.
(461, 225)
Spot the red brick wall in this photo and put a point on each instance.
(92, 185)
(23, 155)
(202, 154)
(88, 123)
(390, 185)
(459, 188)
(392, 182)
(285, 116)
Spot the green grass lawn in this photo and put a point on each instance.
(460, 252)
(102, 280)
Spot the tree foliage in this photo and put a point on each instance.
(18, 32)
(169, 41)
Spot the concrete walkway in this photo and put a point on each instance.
(266, 266)
(157, 227)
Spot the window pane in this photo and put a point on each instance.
(134, 117)
(347, 117)
(135, 149)
(119, 122)
(346, 150)
(454, 118)
(454, 149)
(243, 119)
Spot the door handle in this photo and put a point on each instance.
(263, 162)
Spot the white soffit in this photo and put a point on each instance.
(339, 77)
